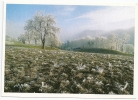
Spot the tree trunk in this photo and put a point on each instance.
(29, 41)
(43, 44)
(122, 48)
(116, 47)
(35, 42)
(23, 41)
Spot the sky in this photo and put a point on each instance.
(71, 19)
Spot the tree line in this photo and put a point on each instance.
(111, 42)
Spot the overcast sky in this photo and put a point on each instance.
(71, 19)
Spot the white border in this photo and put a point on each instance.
(68, 2)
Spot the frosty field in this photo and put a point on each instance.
(59, 71)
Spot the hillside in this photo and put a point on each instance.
(100, 50)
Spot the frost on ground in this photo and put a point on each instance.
(57, 71)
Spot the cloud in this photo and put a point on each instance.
(110, 14)
(109, 18)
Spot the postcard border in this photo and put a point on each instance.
(68, 95)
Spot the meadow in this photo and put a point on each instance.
(29, 70)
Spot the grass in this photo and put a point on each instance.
(20, 44)
(30, 46)
(101, 50)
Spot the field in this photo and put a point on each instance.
(59, 71)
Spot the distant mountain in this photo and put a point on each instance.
(94, 33)
(91, 33)
(120, 33)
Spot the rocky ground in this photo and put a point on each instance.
(57, 71)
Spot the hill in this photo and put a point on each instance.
(101, 50)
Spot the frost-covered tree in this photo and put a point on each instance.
(45, 25)
(29, 30)
(103, 42)
(22, 38)
(53, 40)
(124, 40)
(129, 48)
(40, 27)
(98, 41)
(112, 41)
